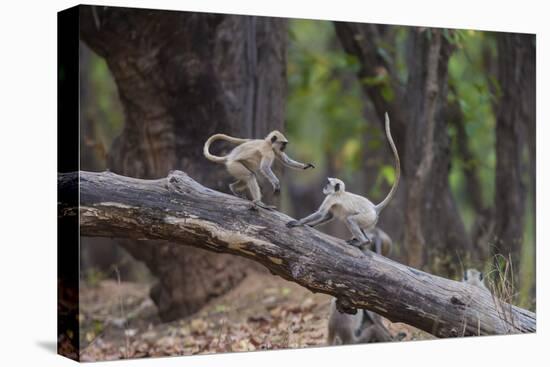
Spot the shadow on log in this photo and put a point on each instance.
(179, 209)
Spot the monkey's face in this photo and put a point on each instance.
(334, 186)
(472, 275)
(277, 140)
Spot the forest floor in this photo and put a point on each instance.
(118, 320)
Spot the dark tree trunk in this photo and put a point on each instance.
(515, 112)
(362, 40)
(182, 77)
(431, 213)
(417, 111)
(483, 225)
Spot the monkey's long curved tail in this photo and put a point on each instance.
(391, 194)
(216, 158)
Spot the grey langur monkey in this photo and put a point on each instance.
(381, 243)
(359, 213)
(253, 156)
(365, 326)
(474, 277)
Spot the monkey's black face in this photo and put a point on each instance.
(283, 146)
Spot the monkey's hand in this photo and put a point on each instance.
(353, 242)
(277, 188)
(309, 165)
(293, 223)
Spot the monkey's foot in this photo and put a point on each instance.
(353, 242)
(400, 336)
(292, 223)
(365, 246)
(260, 204)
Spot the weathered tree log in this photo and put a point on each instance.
(179, 209)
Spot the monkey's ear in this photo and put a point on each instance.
(337, 187)
(273, 139)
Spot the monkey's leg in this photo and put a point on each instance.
(378, 245)
(344, 337)
(237, 188)
(359, 237)
(382, 334)
(367, 335)
(330, 336)
(377, 242)
(256, 193)
(374, 333)
(242, 174)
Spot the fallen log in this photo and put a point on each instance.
(179, 209)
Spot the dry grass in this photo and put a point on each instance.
(502, 287)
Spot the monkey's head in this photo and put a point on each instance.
(334, 186)
(472, 276)
(277, 140)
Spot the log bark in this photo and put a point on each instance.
(182, 211)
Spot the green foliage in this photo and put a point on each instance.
(100, 108)
(325, 104)
(470, 87)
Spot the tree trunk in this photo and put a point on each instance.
(181, 210)
(378, 76)
(182, 77)
(482, 228)
(431, 212)
(515, 112)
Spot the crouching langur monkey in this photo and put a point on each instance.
(365, 326)
(474, 277)
(253, 156)
(359, 213)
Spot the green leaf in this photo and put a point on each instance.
(387, 93)
(372, 81)
(388, 173)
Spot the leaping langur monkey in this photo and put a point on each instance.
(253, 156)
(359, 213)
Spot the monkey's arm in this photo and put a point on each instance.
(327, 218)
(287, 161)
(322, 215)
(312, 218)
(265, 168)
